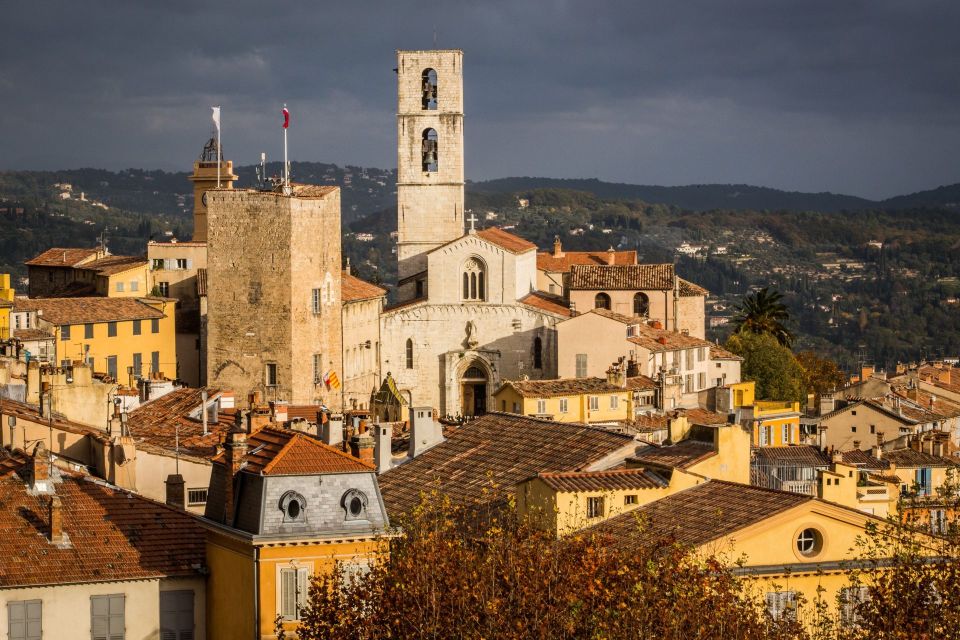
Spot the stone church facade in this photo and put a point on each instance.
(468, 314)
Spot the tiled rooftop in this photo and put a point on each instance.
(158, 422)
(657, 277)
(698, 515)
(275, 451)
(61, 257)
(614, 480)
(110, 265)
(804, 455)
(113, 535)
(681, 455)
(719, 353)
(485, 458)
(656, 340)
(547, 302)
(61, 311)
(354, 289)
(506, 240)
(561, 387)
(704, 417)
(547, 261)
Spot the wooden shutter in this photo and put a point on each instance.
(303, 585)
(288, 594)
(176, 615)
(24, 620)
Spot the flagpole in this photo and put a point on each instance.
(286, 163)
(219, 152)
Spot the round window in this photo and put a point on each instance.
(293, 510)
(356, 506)
(809, 542)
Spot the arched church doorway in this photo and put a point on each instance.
(473, 391)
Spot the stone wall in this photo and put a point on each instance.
(361, 364)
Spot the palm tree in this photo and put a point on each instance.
(762, 312)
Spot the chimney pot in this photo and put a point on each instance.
(557, 247)
(175, 491)
(611, 256)
(56, 520)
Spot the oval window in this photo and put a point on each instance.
(809, 542)
(356, 506)
(293, 510)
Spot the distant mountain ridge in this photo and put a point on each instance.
(705, 197)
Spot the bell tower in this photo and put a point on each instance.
(429, 159)
(204, 179)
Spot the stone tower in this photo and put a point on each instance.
(204, 179)
(429, 159)
(274, 323)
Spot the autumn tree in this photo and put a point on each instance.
(820, 375)
(502, 579)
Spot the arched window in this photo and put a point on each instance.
(537, 353)
(429, 147)
(473, 280)
(429, 89)
(602, 301)
(409, 353)
(641, 305)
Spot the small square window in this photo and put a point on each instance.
(119, 287)
(271, 374)
(65, 332)
(134, 285)
(196, 497)
(595, 507)
(88, 331)
(630, 499)
(163, 288)
(136, 327)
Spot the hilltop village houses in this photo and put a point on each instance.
(232, 414)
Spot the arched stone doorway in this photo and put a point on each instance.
(473, 390)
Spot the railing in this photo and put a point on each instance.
(770, 406)
(792, 478)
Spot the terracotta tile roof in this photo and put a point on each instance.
(704, 417)
(61, 257)
(32, 334)
(619, 317)
(306, 412)
(937, 405)
(201, 282)
(698, 515)
(912, 458)
(681, 455)
(561, 387)
(645, 423)
(804, 455)
(110, 265)
(657, 277)
(547, 302)
(506, 240)
(353, 289)
(618, 479)
(689, 290)
(880, 477)
(641, 383)
(863, 459)
(61, 311)
(719, 353)
(547, 261)
(485, 458)
(656, 340)
(113, 535)
(157, 422)
(281, 452)
(30, 412)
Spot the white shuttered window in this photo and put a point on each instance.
(107, 617)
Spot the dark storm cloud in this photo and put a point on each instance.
(858, 97)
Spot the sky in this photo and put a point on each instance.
(849, 96)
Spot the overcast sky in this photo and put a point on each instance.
(858, 97)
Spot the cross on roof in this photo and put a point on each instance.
(472, 219)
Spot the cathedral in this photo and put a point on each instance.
(468, 314)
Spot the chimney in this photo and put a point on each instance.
(57, 536)
(203, 414)
(662, 340)
(382, 436)
(424, 431)
(175, 491)
(557, 247)
(633, 369)
(611, 256)
(236, 450)
(40, 481)
(827, 404)
(346, 269)
(332, 430)
(278, 411)
(362, 445)
(856, 444)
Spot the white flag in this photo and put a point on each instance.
(216, 117)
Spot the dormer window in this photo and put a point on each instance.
(294, 506)
(354, 503)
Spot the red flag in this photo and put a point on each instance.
(286, 118)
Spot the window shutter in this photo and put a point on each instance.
(303, 585)
(168, 263)
(288, 588)
(117, 618)
(17, 620)
(189, 263)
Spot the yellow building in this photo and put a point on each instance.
(6, 305)
(774, 423)
(283, 507)
(112, 335)
(588, 400)
(792, 548)
(86, 272)
(564, 502)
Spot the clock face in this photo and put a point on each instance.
(203, 198)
